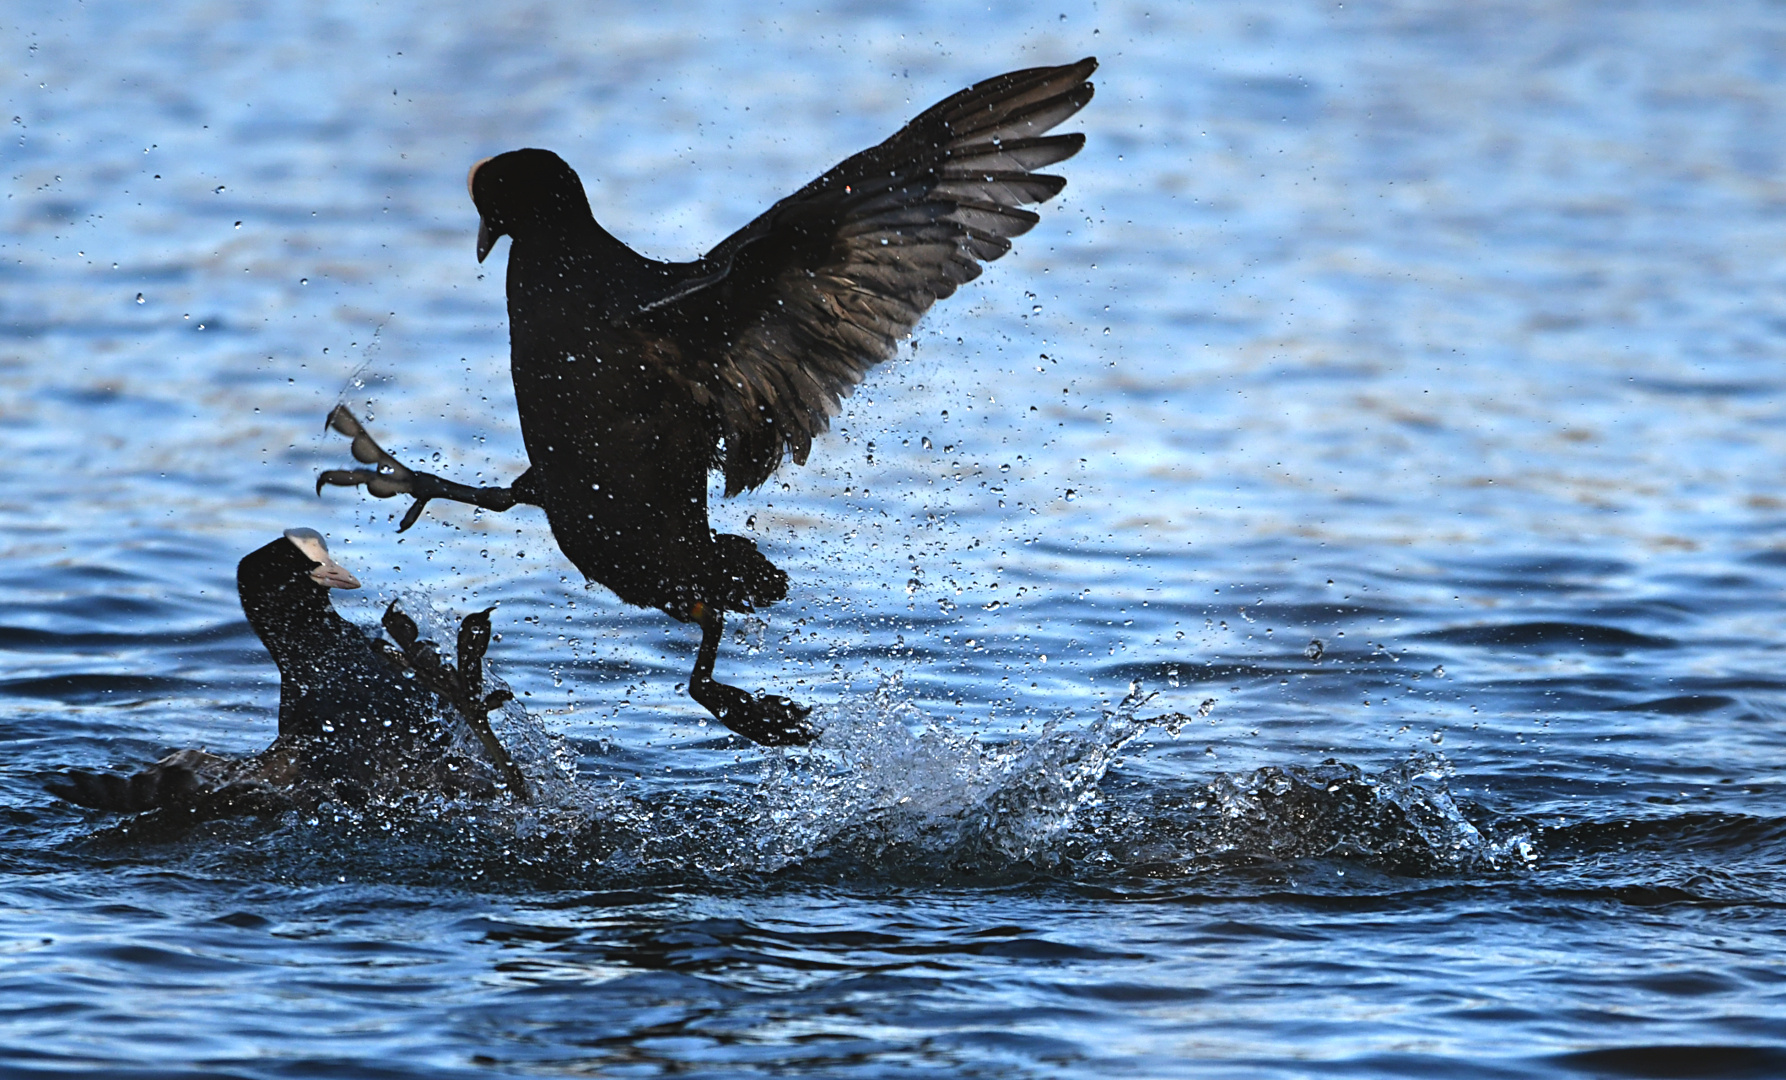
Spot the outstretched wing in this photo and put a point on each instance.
(787, 315)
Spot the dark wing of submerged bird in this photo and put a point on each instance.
(192, 781)
(163, 783)
(789, 313)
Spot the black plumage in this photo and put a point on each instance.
(634, 378)
(342, 707)
(355, 714)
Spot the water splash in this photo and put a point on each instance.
(890, 792)
(885, 786)
(1404, 817)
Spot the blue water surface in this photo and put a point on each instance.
(1393, 394)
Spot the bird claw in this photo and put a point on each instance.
(781, 722)
(388, 476)
(462, 685)
(769, 720)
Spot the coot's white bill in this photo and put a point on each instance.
(330, 574)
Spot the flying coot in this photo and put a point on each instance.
(356, 715)
(635, 378)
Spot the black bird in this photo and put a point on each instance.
(355, 714)
(635, 377)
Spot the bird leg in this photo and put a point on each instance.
(474, 638)
(389, 477)
(771, 720)
(462, 685)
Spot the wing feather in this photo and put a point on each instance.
(789, 313)
(1019, 155)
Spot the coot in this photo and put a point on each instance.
(635, 377)
(356, 715)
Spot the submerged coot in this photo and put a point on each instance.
(355, 714)
(634, 377)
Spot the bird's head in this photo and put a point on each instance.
(326, 572)
(284, 587)
(523, 191)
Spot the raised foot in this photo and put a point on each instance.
(769, 720)
(462, 685)
(386, 478)
(389, 477)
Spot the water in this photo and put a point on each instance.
(1443, 335)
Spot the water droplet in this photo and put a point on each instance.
(1315, 650)
(1037, 310)
(1439, 672)
(303, 281)
(218, 190)
(1438, 737)
(139, 298)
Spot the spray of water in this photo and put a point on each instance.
(884, 786)
(888, 791)
(1404, 816)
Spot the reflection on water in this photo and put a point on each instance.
(1391, 391)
